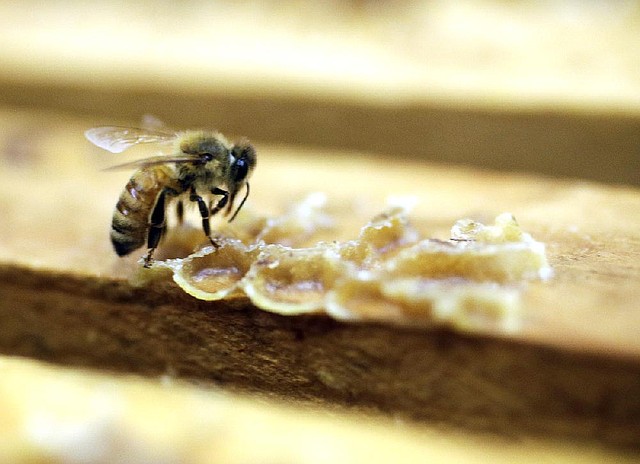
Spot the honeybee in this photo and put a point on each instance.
(201, 165)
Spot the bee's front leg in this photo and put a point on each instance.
(223, 201)
(204, 213)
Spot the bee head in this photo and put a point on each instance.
(242, 164)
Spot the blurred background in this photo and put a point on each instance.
(548, 87)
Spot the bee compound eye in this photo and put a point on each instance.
(241, 170)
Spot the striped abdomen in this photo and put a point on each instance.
(130, 223)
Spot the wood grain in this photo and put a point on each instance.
(572, 371)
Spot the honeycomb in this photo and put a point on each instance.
(292, 264)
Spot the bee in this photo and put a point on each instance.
(201, 165)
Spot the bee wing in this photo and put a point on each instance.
(118, 139)
(157, 160)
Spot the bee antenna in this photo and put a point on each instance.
(246, 195)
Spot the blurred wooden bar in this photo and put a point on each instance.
(596, 145)
(515, 87)
(52, 414)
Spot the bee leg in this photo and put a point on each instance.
(156, 227)
(180, 211)
(204, 213)
(223, 201)
(148, 259)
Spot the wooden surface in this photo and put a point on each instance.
(53, 195)
(572, 372)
